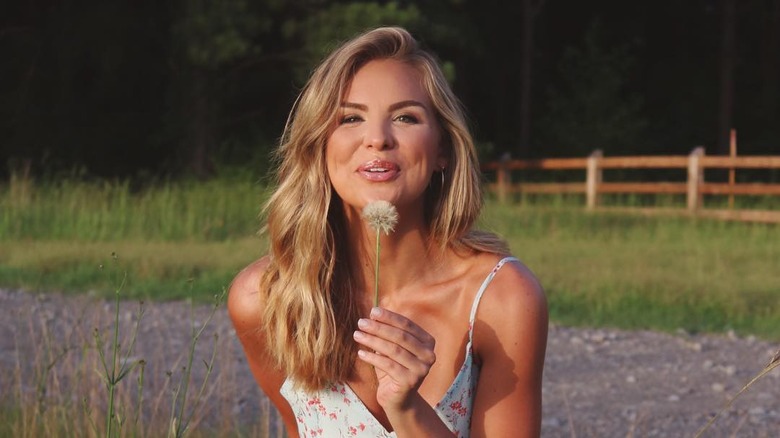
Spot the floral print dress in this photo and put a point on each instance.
(337, 412)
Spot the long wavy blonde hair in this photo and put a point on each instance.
(312, 299)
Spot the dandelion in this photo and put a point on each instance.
(382, 217)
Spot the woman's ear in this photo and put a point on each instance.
(444, 160)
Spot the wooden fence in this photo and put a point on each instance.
(694, 188)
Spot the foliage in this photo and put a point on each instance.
(590, 108)
(155, 88)
(324, 29)
(215, 33)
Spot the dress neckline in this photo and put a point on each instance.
(467, 364)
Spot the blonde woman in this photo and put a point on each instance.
(457, 342)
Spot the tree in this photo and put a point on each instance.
(207, 36)
(531, 10)
(590, 108)
(324, 29)
(727, 59)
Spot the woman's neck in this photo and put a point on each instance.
(406, 257)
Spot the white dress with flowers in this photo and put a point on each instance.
(337, 412)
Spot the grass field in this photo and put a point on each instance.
(646, 272)
(183, 238)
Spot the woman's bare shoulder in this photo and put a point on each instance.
(513, 282)
(245, 303)
(515, 298)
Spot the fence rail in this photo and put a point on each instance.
(694, 188)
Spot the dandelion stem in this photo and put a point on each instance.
(376, 270)
(382, 217)
(773, 363)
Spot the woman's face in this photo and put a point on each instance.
(386, 144)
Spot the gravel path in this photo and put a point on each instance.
(598, 382)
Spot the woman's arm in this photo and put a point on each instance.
(510, 339)
(245, 307)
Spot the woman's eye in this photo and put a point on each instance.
(350, 119)
(407, 118)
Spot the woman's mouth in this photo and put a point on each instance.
(379, 170)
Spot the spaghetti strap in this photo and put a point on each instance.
(481, 290)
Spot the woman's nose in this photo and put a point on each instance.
(379, 136)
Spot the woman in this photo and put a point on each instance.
(457, 341)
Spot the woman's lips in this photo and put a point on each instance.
(379, 170)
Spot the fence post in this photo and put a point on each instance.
(593, 179)
(732, 173)
(503, 177)
(695, 178)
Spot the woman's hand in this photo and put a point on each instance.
(401, 353)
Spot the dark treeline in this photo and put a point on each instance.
(155, 88)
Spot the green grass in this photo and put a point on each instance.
(157, 270)
(173, 239)
(107, 211)
(601, 269)
(629, 271)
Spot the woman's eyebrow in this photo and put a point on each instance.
(393, 107)
(358, 106)
(406, 103)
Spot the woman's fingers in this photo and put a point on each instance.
(401, 322)
(401, 376)
(419, 360)
(398, 339)
(398, 332)
(401, 352)
(402, 373)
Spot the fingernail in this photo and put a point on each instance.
(357, 335)
(375, 312)
(362, 323)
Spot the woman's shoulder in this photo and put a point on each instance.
(514, 295)
(510, 277)
(245, 302)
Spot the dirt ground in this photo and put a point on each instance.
(598, 382)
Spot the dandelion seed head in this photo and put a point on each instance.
(381, 215)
